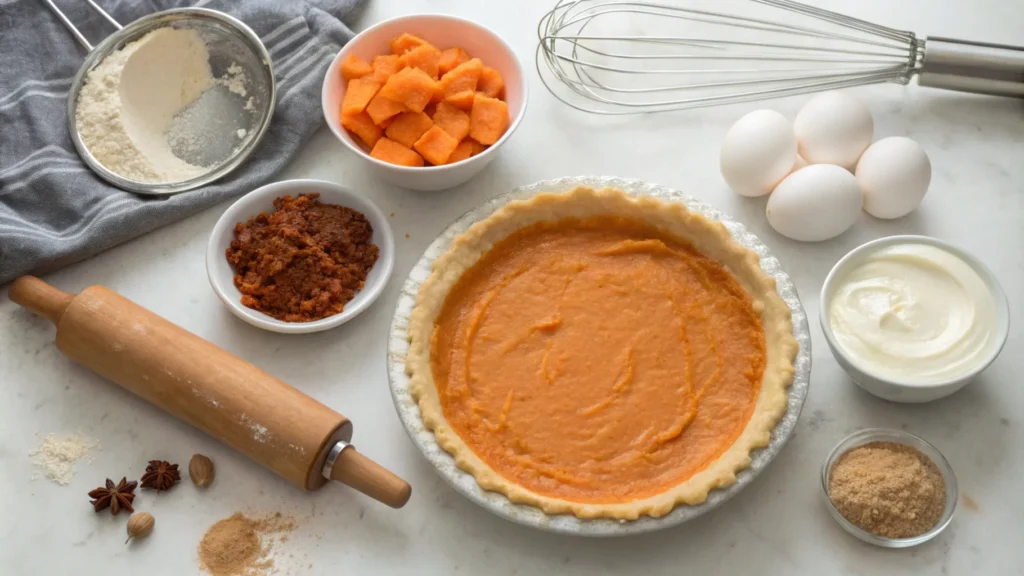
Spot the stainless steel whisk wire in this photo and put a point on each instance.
(829, 51)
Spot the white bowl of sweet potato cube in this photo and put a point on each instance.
(426, 100)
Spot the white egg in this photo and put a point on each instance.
(815, 203)
(833, 128)
(893, 174)
(759, 150)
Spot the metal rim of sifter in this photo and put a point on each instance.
(134, 31)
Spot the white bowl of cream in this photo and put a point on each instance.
(913, 318)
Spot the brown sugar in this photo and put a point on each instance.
(888, 489)
(304, 261)
(240, 545)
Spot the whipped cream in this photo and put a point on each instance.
(914, 313)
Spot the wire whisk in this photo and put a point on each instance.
(624, 57)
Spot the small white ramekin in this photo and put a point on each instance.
(890, 388)
(443, 31)
(262, 200)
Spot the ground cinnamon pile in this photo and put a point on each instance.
(304, 261)
(888, 489)
(242, 546)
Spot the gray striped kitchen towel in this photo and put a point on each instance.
(53, 209)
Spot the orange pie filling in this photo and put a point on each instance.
(597, 361)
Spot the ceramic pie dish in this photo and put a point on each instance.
(718, 376)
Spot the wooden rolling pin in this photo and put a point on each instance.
(221, 394)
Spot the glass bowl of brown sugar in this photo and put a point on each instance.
(889, 488)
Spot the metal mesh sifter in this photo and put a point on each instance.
(230, 43)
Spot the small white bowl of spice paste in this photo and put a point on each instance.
(889, 488)
(300, 256)
(913, 318)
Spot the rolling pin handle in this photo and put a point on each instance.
(349, 467)
(38, 296)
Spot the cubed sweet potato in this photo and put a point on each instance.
(462, 77)
(381, 109)
(436, 145)
(358, 94)
(491, 83)
(385, 67)
(452, 120)
(477, 147)
(407, 127)
(404, 43)
(393, 152)
(421, 105)
(412, 87)
(462, 100)
(363, 127)
(466, 149)
(450, 58)
(425, 57)
(355, 67)
(488, 119)
(462, 151)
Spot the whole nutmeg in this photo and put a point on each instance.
(200, 469)
(140, 525)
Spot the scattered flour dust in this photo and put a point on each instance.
(234, 80)
(56, 456)
(130, 101)
(260, 433)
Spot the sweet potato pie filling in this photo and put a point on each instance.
(597, 360)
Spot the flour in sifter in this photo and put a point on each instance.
(153, 112)
(130, 99)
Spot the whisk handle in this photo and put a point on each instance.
(965, 66)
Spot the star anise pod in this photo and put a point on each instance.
(160, 475)
(118, 497)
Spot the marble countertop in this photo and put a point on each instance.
(778, 525)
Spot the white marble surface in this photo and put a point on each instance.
(777, 526)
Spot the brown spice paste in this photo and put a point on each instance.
(304, 261)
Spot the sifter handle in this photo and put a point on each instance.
(38, 296)
(349, 467)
